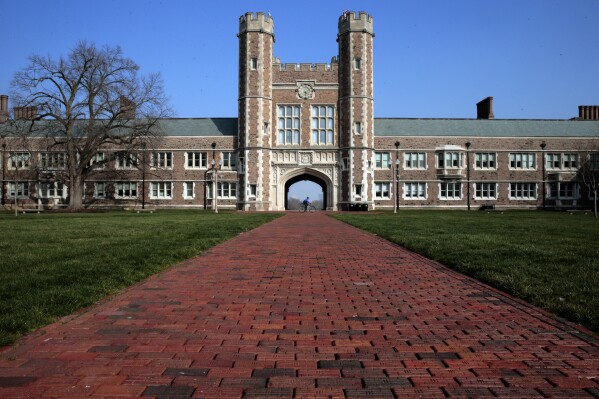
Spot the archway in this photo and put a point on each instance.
(307, 178)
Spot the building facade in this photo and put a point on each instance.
(316, 122)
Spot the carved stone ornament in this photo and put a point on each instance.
(305, 158)
(305, 92)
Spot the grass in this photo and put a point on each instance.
(549, 259)
(54, 264)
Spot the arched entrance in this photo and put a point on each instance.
(312, 176)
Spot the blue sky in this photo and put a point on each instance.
(435, 58)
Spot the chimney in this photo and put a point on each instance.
(3, 108)
(128, 109)
(24, 112)
(588, 112)
(484, 109)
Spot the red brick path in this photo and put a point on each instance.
(306, 307)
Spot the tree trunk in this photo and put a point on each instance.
(76, 195)
(595, 202)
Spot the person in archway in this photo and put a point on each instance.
(306, 203)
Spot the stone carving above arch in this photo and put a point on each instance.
(305, 91)
(305, 158)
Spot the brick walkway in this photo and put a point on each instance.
(306, 307)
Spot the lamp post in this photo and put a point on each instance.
(543, 145)
(468, 173)
(3, 171)
(215, 173)
(396, 207)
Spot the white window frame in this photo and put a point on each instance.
(415, 190)
(557, 191)
(52, 160)
(447, 190)
(99, 190)
(483, 190)
(382, 160)
(485, 161)
(19, 160)
(22, 188)
(129, 189)
(199, 158)
(358, 191)
(161, 190)
(288, 124)
(227, 190)
(570, 161)
(382, 190)
(253, 191)
(322, 124)
(97, 160)
(229, 160)
(357, 63)
(53, 190)
(450, 160)
(162, 160)
(522, 161)
(126, 161)
(253, 63)
(415, 158)
(524, 191)
(357, 128)
(186, 187)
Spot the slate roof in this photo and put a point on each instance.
(486, 127)
(414, 127)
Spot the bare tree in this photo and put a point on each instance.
(92, 98)
(589, 175)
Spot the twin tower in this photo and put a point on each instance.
(305, 121)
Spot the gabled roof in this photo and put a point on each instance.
(486, 127)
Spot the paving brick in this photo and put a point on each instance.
(324, 319)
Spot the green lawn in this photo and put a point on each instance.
(54, 264)
(550, 259)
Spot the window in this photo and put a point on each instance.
(99, 190)
(345, 163)
(358, 191)
(570, 161)
(22, 189)
(162, 160)
(161, 190)
(125, 190)
(322, 124)
(358, 63)
(227, 190)
(254, 64)
(382, 160)
(19, 160)
(265, 128)
(196, 160)
(189, 190)
(358, 127)
(553, 161)
(382, 190)
(229, 160)
(485, 190)
(594, 161)
(52, 160)
(253, 190)
(523, 191)
(450, 191)
(52, 190)
(563, 190)
(126, 161)
(97, 161)
(449, 160)
(414, 190)
(415, 160)
(289, 124)
(522, 160)
(485, 160)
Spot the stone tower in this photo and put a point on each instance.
(256, 39)
(356, 106)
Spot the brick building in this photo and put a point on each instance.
(316, 122)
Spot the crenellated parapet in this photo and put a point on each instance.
(306, 67)
(351, 21)
(258, 22)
